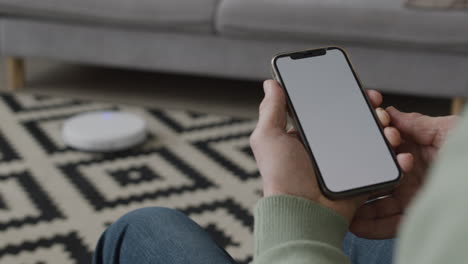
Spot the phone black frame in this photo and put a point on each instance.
(327, 192)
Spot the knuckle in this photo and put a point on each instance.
(254, 139)
(261, 135)
(414, 115)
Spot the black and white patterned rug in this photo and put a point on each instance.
(55, 202)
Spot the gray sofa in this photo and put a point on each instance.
(394, 48)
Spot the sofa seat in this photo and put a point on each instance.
(382, 22)
(184, 15)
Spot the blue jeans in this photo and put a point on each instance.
(160, 235)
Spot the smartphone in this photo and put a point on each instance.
(336, 122)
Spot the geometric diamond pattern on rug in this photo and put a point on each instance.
(76, 251)
(91, 179)
(7, 152)
(30, 103)
(233, 152)
(3, 205)
(190, 121)
(220, 237)
(56, 201)
(48, 143)
(247, 150)
(24, 202)
(134, 175)
(229, 205)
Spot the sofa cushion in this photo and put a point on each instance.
(172, 14)
(386, 21)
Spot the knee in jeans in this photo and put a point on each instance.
(148, 216)
(134, 225)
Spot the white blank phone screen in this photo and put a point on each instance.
(345, 140)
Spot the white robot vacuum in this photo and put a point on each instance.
(104, 131)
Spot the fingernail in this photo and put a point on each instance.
(384, 116)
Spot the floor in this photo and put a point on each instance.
(211, 95)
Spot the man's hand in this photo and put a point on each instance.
(422, 136)
(283, 161)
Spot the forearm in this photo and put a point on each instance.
(294, 230)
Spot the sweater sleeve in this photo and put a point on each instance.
(294, 230)
(435, 230)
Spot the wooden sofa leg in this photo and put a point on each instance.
(16, 74)
(457, 105)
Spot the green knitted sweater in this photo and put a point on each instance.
(293, 230)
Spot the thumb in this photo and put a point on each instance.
(420, 128)
(273, 107)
